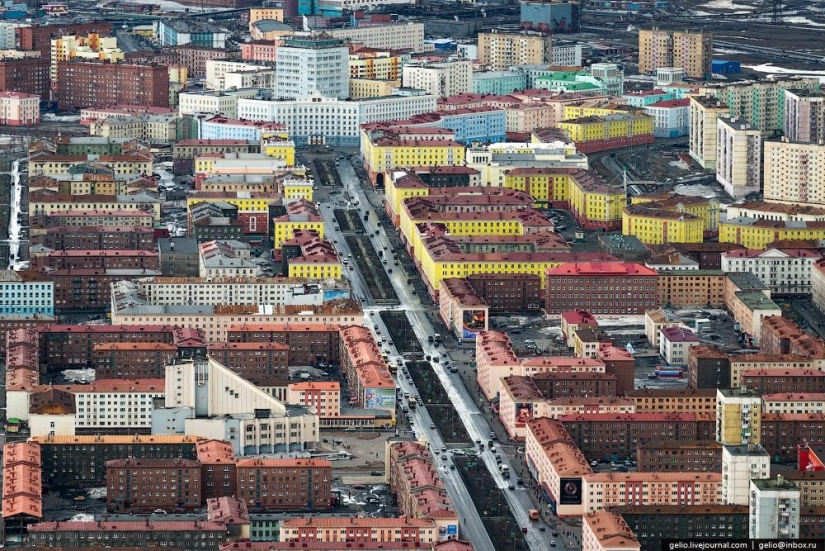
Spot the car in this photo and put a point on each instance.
(443, 458)
(523, 529)
(432, 425)
(542, 528)
(158, 512)
(376, 473)
(554, 533)
(453, 369)
(444, 450)
(553, 543)
(359, 487)
(452, 467)
(350, 429)
(435, 359)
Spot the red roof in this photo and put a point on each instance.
(671, 103)
(602, 269)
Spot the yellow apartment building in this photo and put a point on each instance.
(657, 226)
(706, 209)
(738, 417)
(607, 127)
(360, 88)
(757, 234)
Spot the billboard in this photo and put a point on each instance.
(380, 398)
(570, 491)
(472, 322)
(524, 413)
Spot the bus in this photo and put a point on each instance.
(413, 403)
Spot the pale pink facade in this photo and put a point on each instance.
(19, 109)
(604, 490)
(260, 51)
(495, 359)
(551, 456)
(605, 531)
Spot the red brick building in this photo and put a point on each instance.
(601, 288)
(664, 456)
(133, 360)
(219, 475)
(98, 259)
(781, 335)
(143, 485)
(771, 381)
(29, 75)
(89, 289)
(708, 367)
(619, 362)
(308, 343)
(97, 238)
(569, 384)
(616, 435)
(782, 433)
(39, 37)
(285, 484)
(90, 84)
(812, 523)
(508, 292)
(265, 364)
(61, 346)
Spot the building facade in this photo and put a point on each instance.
(88, 84)
(690, 51)
(308, 66)
(738, 156)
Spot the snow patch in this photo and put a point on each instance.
(726, 5)
(82, 517)
(51, 117)
(14, 219)
(79, 375)
(701, 190)
(799, 20)
(680, 164)
(774, 70)
(97, 493)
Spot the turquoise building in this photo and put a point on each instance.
(499, 82)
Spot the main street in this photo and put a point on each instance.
(475, 423)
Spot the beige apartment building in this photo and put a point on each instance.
(794, 172)
(441, 79)
(499, 50)
(804, 116)
(401, 36)
(690, 51)
(704, 112)
(738, 156)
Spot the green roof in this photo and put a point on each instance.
(757, 301)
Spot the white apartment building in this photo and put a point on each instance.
(440, 79)
(401, 36)
(794, 172)
(19, 109)
(254, 78)
(207, 399)
(784, 271)
(217, 69)
(109, 406)
(214, 291)
(308, 65)
(353, 5)
(794, 402)
(740, 464)
(8, 35)
(674, 344)
(611, 76)
(738, 156)
(567, 54)
(213, 102)
(317, 119)
(774, 509)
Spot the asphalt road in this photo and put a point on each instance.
(474, 420)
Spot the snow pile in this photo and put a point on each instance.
(51, 117)
(82, 517)
(773, 70)
(97, 493)
(726, 5)
(680, 164)
(79, 375)
(14, 222)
